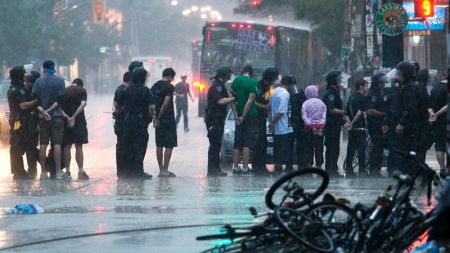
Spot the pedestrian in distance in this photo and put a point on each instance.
(377, 122)
(244, 88)
(182, 91)
(280, 126)
(31, 150)
(75, 132)
(19, 117)
(49, 90)
(216, 111)
(335, 120)
(164, 121)
(357, 140)
(314, 114)
(138, 109)
(269, 77)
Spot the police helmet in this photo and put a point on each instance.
(333, 77)
(33, 76)
(223, 72)
(416, 66)
(407, 70)
(16, 74)
(270, 74)
(379, 78)
(135, 64)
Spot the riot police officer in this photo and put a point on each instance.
(408, 102)
(269, 76)
(18, 121)
(138, 108)
(376, 121)
(216, 112)
(334, 122)
(298, 97)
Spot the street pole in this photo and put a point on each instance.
(392, 46)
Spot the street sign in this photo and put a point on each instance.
(345, 52)
(391, 19)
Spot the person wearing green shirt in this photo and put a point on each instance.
(245, 113)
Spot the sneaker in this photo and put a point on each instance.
(63, 176)
(82, 175)
(146, 176)
(246, 172)
(186, 130)
(237, 170)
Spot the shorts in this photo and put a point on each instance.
(283, 146)
(246, 134)
(440, 137)
(51, 130)
(76, 135)
(166, 135)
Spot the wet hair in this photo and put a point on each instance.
(17, 74)
(247, 69)
(270, 74)
(78, 82)
(360, 83)
(287, 80)
(127, 77)
(139, 76)
(169, 72)
(135, 64)
(33, 76)
(423, 76)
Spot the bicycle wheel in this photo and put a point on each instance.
(290, 190)
(255, 244)
(340, 222)
(306, 231)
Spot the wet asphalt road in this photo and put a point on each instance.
(157, 207)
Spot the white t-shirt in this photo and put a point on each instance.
(279, 103)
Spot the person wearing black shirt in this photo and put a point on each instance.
(216, 112)
(425, 110)
(298, 97)
(32, 152)
(164, 122)
(409, 107)
(439, 104)
(181, 92)
(357, 128)
(376, 122)
(334, 121)
(137, 103)
(269, 76)
(18, 121)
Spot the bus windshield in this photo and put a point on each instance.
(237, 46)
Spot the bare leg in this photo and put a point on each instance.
(67, 156)
(58, 158)
(236, 156)
(245, 156)
(79, 156)
(167, 156)
(159, 156)
(43, 157)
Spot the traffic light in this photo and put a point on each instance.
(98, 11)
(424, 8)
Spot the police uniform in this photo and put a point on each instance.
(409, 119)
(392, 117)
(119, 116)
(425, 137)
(332, 130)
(18, 129)
(136, 100)
(296, 104)
(374, 124)
(260, 153)
(215, 121)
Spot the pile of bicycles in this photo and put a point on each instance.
(300, 221)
